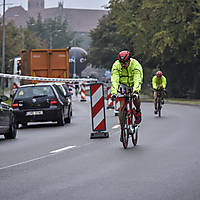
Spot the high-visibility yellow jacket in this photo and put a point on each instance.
(132, 76)
(156, 83)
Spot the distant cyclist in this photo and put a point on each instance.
(159, 82)
(127, 73)
(76, 87)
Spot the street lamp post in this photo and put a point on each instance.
(51, 38)
(74, 61)
(3, 48)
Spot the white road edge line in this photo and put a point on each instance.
(62, 149)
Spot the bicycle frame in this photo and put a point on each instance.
(129, 107)
(127, 126)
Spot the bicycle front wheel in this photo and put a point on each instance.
(135, 136)
(124, 128)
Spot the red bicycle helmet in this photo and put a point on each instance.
(158, 74)
(124, 56)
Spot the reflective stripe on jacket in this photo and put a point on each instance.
(132, 76)
(156, 83)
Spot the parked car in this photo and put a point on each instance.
(8, 126)
(41, 102)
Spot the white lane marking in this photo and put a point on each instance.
(36, 159)
(116, 126)
(62, 149)
(25, 162)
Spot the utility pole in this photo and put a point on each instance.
(3, 48)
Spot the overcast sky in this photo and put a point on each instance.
(90, 4)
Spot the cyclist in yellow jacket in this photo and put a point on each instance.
(159, 82)
(127, 73)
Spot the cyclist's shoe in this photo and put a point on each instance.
(162, 101)
(155, 111)
(138, 117)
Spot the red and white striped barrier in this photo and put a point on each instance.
(117, 106)
(110, 102)
(98, 111)
(83, 92)
(12, 76)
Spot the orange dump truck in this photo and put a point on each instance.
(51, 63)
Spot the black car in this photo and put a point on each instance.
(65, 89)
(41, 102)
(66, 92)
(8, 126)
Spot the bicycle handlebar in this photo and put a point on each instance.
(129, 94)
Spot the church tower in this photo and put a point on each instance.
(35, 4)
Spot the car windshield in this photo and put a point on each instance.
(37, 91)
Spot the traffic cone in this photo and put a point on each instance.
(110, 102)
(83, 92)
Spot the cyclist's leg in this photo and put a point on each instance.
(155, 100)
(162, 96)
(137, 103)
(137, 114)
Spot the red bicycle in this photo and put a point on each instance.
(128, 127)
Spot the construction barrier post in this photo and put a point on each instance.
(109, 102)
(117, 106)
(83, 92)
(98, 111)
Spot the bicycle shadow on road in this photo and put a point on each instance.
(161, 118)
(138, 148)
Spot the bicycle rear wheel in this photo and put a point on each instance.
(124, 128)
(135, 136)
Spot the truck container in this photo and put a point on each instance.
(51, 63)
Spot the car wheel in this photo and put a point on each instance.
(70, 110)
(11, 134)
(61, 121)
(68, 119)
(24, 124)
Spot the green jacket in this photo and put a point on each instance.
(131, 76)
(156, 83)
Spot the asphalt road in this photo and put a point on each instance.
(58, 163)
